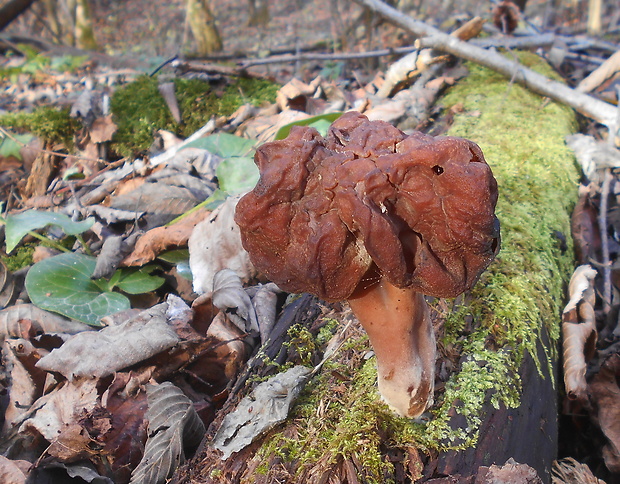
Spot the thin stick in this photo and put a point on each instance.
(602, 221)
(587, 105)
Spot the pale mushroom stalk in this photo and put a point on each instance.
(399, 326)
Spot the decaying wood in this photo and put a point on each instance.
(43, 169)
(431, 37)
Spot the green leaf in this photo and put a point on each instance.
(237, 175)
(224, 144)
(139, 281)
(320, 123)
(62, 284)
(19, 225)
(10, 147)
(174, 256)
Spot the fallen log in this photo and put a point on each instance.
(496, 382)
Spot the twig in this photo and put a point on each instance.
(602, 221)
(587, 105)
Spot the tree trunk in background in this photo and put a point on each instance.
(12, 10)
(595, 8)
(202, 23)
(259, 13)
(84, 34)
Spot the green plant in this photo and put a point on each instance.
(63, 284)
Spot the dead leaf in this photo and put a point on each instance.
(568, 470)
(160, 202)
(102, 129)
(606, 399)
(71, 444)
(593, 155)
(173, 427)
(113, 251)
(265, 407)
(215, 244)
(229, 297)
(13, 471)
(161, 239)
(295, 93)
(585, 229)
(53, 412)
(18, 358)
(101, 353)
(579, 331)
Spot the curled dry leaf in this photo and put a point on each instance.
(229, 296)
(173, 427)
(55, 411)
(593, 155)
(585, 229)
(569, 470)
(160, 239)
(26, 320)
(215, 244)
(13, 471)
(25, 383)
(101, 353)
(578, 331)
(265, 407)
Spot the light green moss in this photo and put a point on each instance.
(140, 110)
(520, 295)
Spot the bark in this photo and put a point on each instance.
(84, 34)
(259, 13)
(202, 23)
(12, 10)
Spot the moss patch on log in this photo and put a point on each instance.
(340, 418)
(140, 110)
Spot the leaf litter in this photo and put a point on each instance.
(129, 399)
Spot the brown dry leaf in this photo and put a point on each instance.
(7, 286)
(72, 443)
(579, 331)
(215, 244)
(295, 93)
(25, 383)
(264, 128)
(13, 471)
(606, 398)
(26, 320)
(160, 239)
(585, 229)
(173, 426)
(53, 412)
(101, 353)
(102, 129)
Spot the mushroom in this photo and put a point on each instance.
(380, 219)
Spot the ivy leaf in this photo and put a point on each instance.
(11, 147)
(19, 225)
(139, 281)
(321, 123)
(225, 145)
(62, 284)
(237, 175)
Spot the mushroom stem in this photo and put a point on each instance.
(399, 326)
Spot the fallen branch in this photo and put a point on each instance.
(431, 37)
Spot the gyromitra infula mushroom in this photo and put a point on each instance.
(379, 218)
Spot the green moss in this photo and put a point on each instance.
(20, 258)
(520, 295)
(48, 123)
(139, 109)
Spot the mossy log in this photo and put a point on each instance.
(496, 389)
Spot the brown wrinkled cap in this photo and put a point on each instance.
(326, 209)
